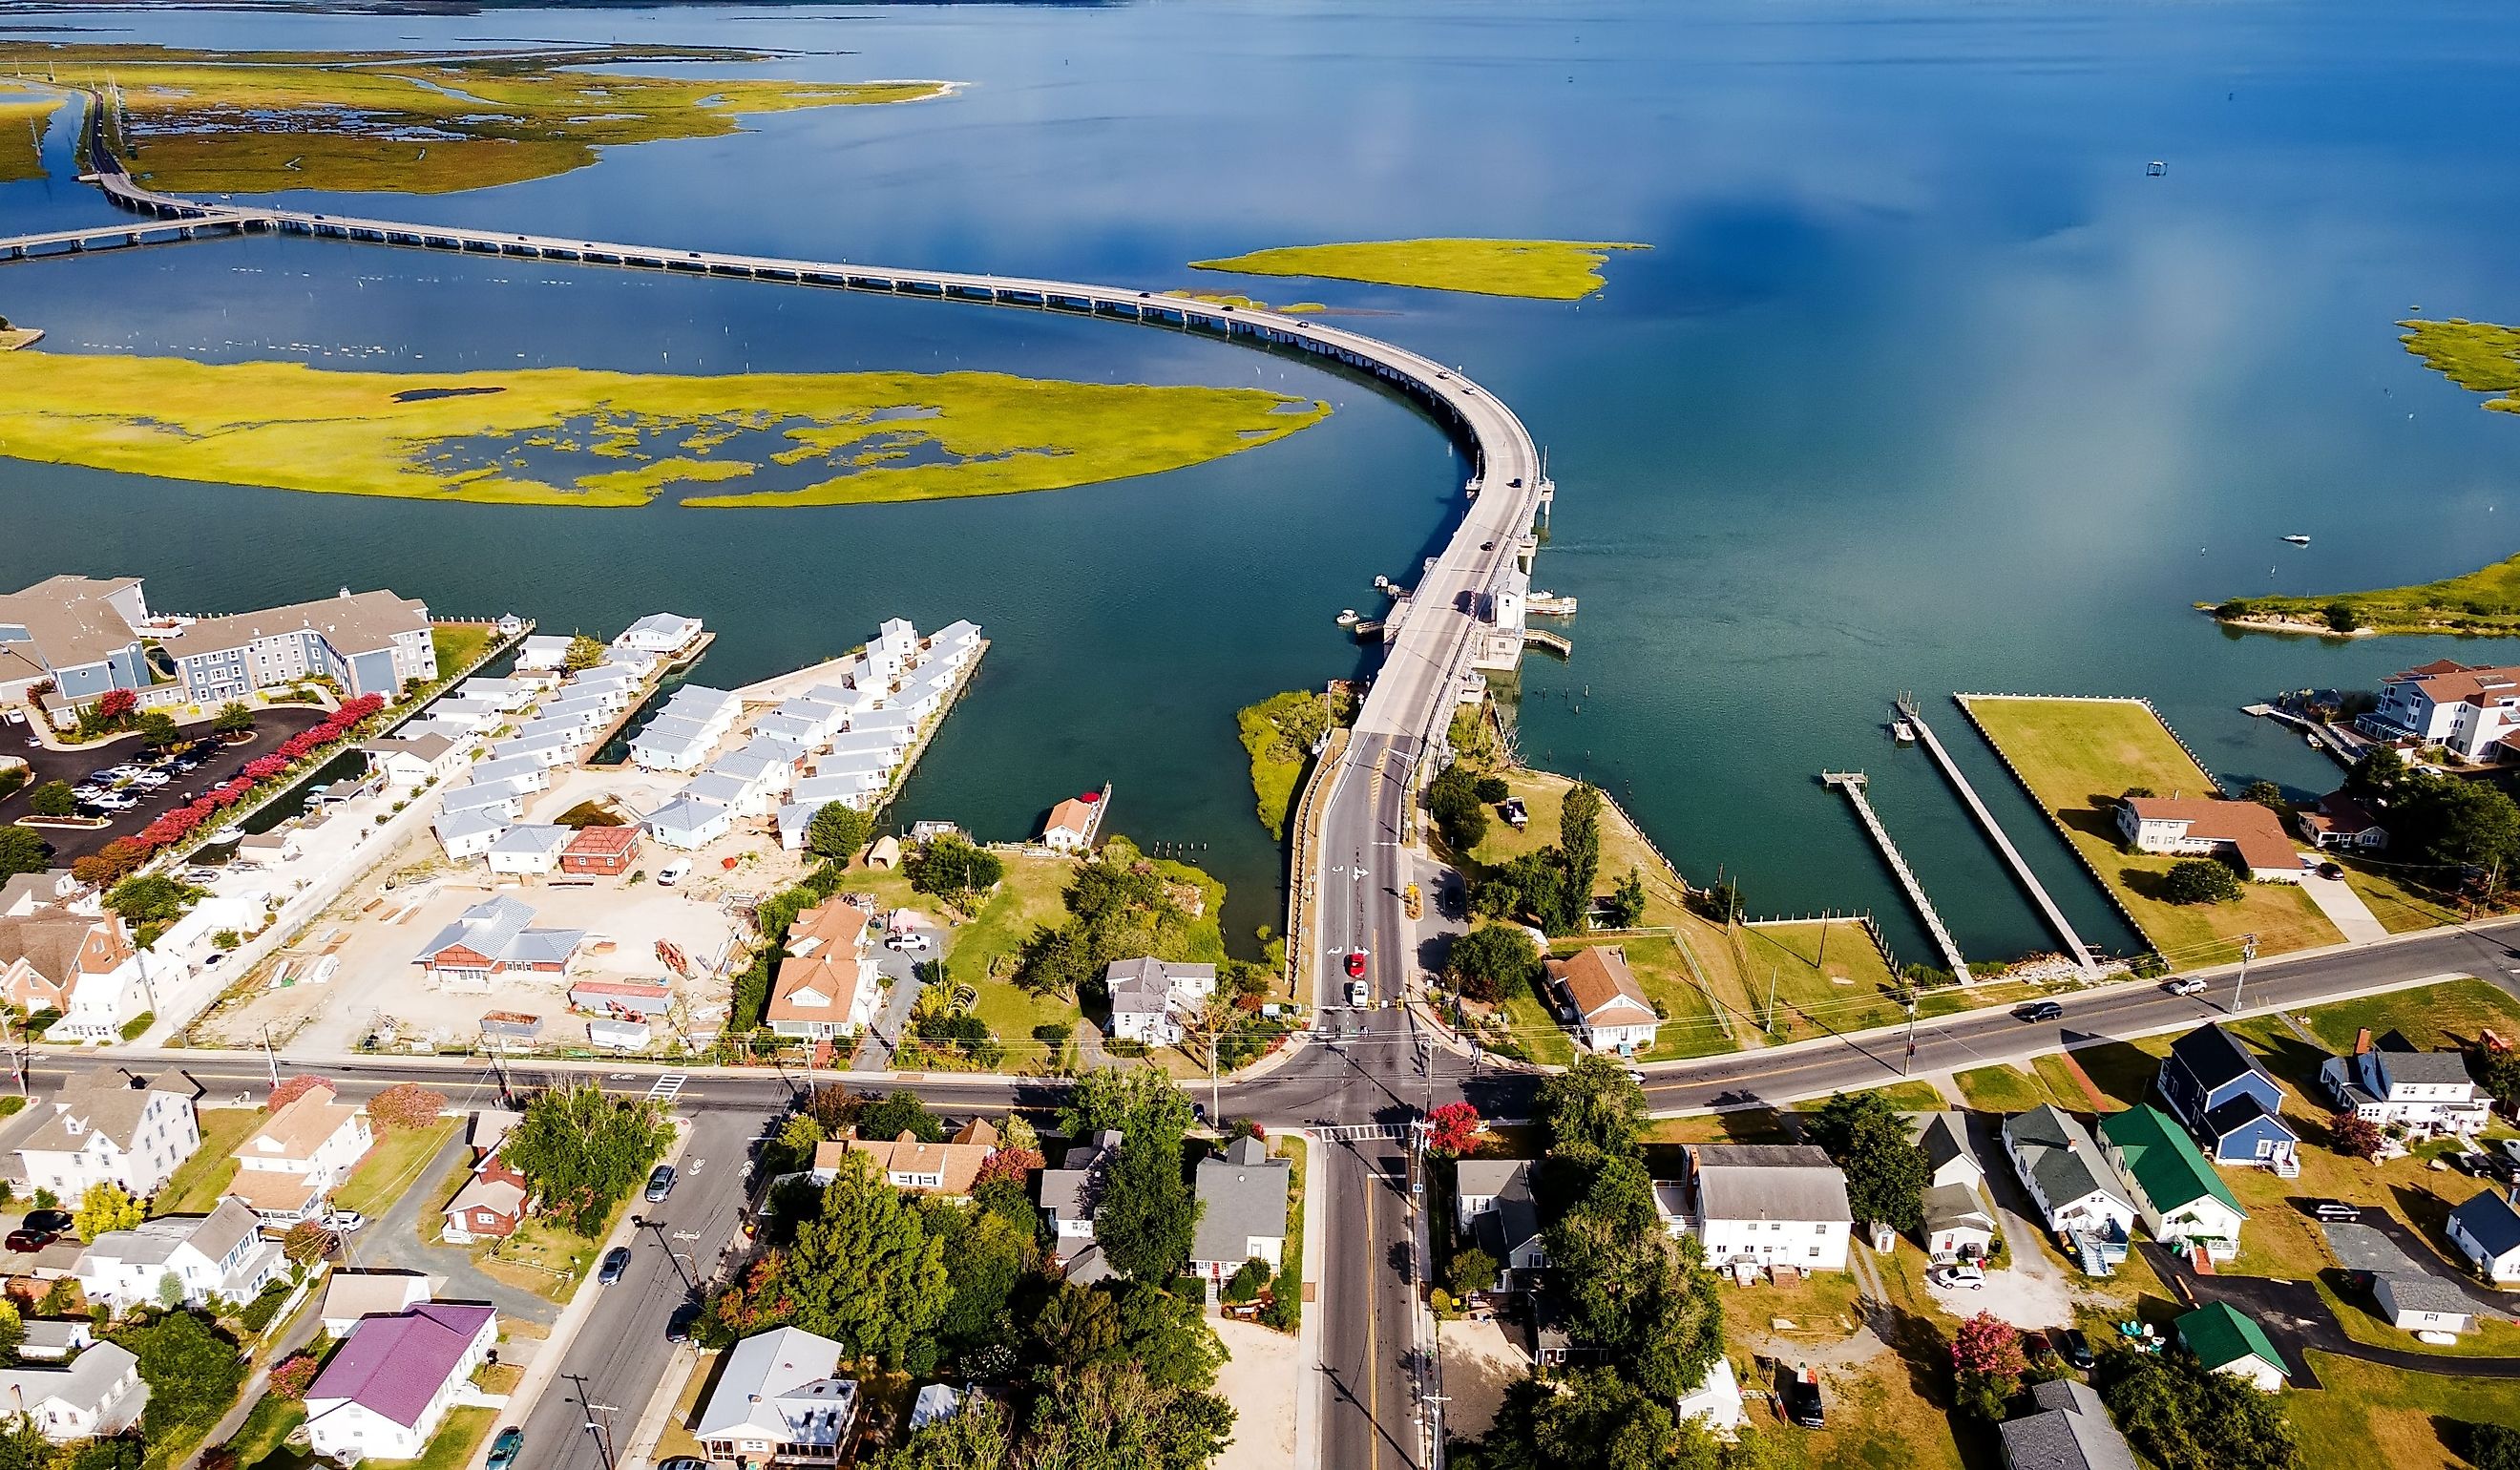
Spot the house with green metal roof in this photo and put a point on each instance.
(2229, 1343)
(2183, 1202)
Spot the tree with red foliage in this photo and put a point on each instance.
(2354, 1135)
(1013, 1166)
(117, 705)
(291, 1376)
(295, 1087)
(759, 1302)
(306, 1242)
(1451, 1128)
(1986, 1352)
(117, 861)
(406, 1105)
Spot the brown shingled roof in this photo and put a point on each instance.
(833, 929)
(1605, 991)
(2253, 832)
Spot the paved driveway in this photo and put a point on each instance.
(883, 1036)
(2296, 1319)
(2033, 1289)
(394, 1239)
(2344, 909)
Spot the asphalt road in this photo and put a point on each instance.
(621, 1351)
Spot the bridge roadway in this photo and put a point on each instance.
(1371, 1311)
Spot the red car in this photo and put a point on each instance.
(31, 1241)
(1356, 964)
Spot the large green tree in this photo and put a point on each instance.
(837, 831)
(193, 1373)
(1590, 1419)
(975, 1436)
(1885, 1171)
(1492, 962)
(585, 1150)
(1111, 1417)
(1148, 1214)
(2181, 1415)
(867, 1273)
(1593, 1102)
(20, 850)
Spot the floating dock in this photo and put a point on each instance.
(1852, 783)
(2075, 949)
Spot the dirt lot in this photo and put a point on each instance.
(1259, 1381)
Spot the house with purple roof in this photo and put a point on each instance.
(385, 1391)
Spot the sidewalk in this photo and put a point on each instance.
(1308, 1334)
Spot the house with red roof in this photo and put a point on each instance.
(384, 1394)
(2471, 709)
(2208, 828)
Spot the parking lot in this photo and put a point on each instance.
(271, 726)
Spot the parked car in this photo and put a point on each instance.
(1803, 1404)
(58, 1221)
(2041, 1010)
(2510, 1146)
(2331, 870)
(1968, 1276)
(660, 1183)
(615, 1262)
(674, 873)
(909, 943)
(678, 1328)
(347, 1222)
(504, 1450)
(2191, 986)
(683, 1462)
(2334, 1209)
(27, 1242)
(2073, 1347)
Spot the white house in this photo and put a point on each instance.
(795, 821)
(386, 1389)
(2068, 1179)
(1493, 1207)
(828, 985)
(954, 645)
(715, 708)
(301, 1155)
(504, 798)
(522, 774)
(1716, 1402)
(2421, 1302)
(95, 1395)
(1150, 996)
(2487, 1231)
(542, 650)
(818, 721)
(663, 634)
(688, 824)
(546, 748)
(1770, 1204)
(1243, 1209)
(465, 835)
(2227, 1342)
(414, 761)
(107, 1129)
(2468, 708)
(1949, 1157)
(788, 726)
(847, 698)
(848, 748)
(2203, 826)
(778, 1402)
(221, 1253)
(1958, 1226)
(896, 643)
(111, 986)
(2391, 1081)
(350, 1295)
(671, 743)
(1607, 1010)
(1072, 824)
(857, 788)
(529, 849)
(585, 714)
(2183, 1200)
(504, 693)
(744, 798)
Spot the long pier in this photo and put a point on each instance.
(1852, 783)
(2075, 949)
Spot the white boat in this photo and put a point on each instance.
(2298, 540)
(1347, 617)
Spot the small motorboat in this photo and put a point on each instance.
(2298, 540)
(1347, 617)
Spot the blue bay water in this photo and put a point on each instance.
(1925, 383)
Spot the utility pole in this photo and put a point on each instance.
(1909, 1064)
(1771, 999)
(17, 1058)
(2248, 951)
(603, 1439)
(269, 1059)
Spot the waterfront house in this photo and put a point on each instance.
(1769, 1204)
(1241, 1210)
(522, 774)
(411, 762)
(2421, 1302)
(856, 788)
(1072, 824)
(545, 748)
(796, 823)
(1957, 1223)
(503, 798)
(80, 635)
(529, 850)
(2226, 1342)
(717, 788)
(1150, 996)
(1605, 1006)
(848, 699)
(291, 1164)
(2242, 831)
(543, 650)
(221, 1253)
(663, 634)
(818, 722)
(671, 743)
(2487, 1231)
(493, 1202)
(464, 836)
(2341, 822)
(1950, 1158)
(605, 852)
(640, 665)
(352, 1295)
(778, 1402)
(800, 730)
(913, 1166)
(495, 937)
(385, 1391)
(107, 1127)
(2183, 1202)
(688, 824)
(503, 694)
(851, 748)
(764, 775)
(715, 709)
(895, 645)
(46, 955)
(2066, 1427)
(2464, 709)
(2394, 1083)
(828, 985)
(95, 1395)
(367, 642)
(954, 645)
(2228, 1101)
(1494, 1209)
(583, 715)
(2068, 1179)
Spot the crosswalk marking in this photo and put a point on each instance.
(668, 1087)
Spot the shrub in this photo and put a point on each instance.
(291, 1375)
(2200, 880)
(1492, 790)
(52, 799)
(406, 1105)
(2341, 618)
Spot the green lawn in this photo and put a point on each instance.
(1905, 1097)
(392, 1166)
(2000, 1089)
(199, 1181)
(1544, 1038)
(1825, 976)
(1030, 896)
(2400, 905)
(1276, 735)
(1549, 270)
(2444, 1015)
(261, 1444)
(2077, 756)
(2368, 1416)
(1290, 1259)
(458, 1439)
(2123, 1071)
(459, 643)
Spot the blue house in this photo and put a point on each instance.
(2235, 1110)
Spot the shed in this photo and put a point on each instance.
(886, 854)
(613, 1035)
(2421, 1302)
(600, 850)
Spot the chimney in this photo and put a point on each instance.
(2362, 1040)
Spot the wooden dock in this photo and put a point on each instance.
(1852, 783)
(2075, 949)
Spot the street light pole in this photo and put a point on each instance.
(603, 1440)
(2248, 951)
